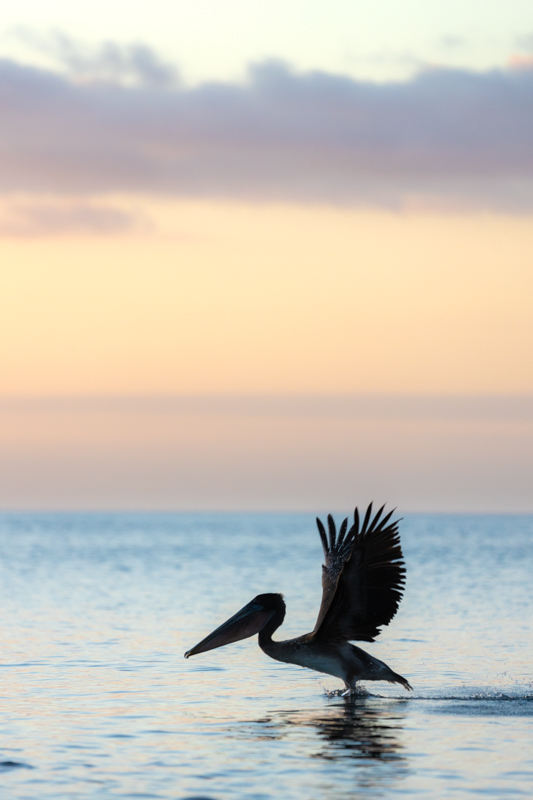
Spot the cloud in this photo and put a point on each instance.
(452, 42)
(446, 137)
(52, 217)
(129, 65)
(525, 42)
(523, 59)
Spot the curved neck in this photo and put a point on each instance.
(265, 634)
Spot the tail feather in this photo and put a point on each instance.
(398, 679)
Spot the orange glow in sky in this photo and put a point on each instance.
(223, 297)
(223, 205)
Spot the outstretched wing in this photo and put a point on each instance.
(363, 578)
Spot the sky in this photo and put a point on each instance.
(322, 211)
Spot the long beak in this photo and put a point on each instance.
(244, 623)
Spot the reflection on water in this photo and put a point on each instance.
(348, 728)
(98, 702)
(354, 730)
(359, 740)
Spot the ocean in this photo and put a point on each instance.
(97, 700)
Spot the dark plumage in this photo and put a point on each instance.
(362, 582)
(362, 579)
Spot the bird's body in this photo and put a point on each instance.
(362, 583)
(341, 659)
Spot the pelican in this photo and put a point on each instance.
(362, 584)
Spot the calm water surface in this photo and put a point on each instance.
(97, 700)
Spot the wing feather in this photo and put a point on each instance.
(323, 537)
(362, 579)
(376, 519)
(367, 517)
(342, 532)
(335, 556)
(332, 533)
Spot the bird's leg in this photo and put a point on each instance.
(350, 688)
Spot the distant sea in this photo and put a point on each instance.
(97, 700)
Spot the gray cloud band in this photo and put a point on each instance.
(446, 135)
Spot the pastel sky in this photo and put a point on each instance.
(266, 203)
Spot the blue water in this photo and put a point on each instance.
(97, 700)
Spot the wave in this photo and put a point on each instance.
(469, 695)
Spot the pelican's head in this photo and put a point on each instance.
(249, 620)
